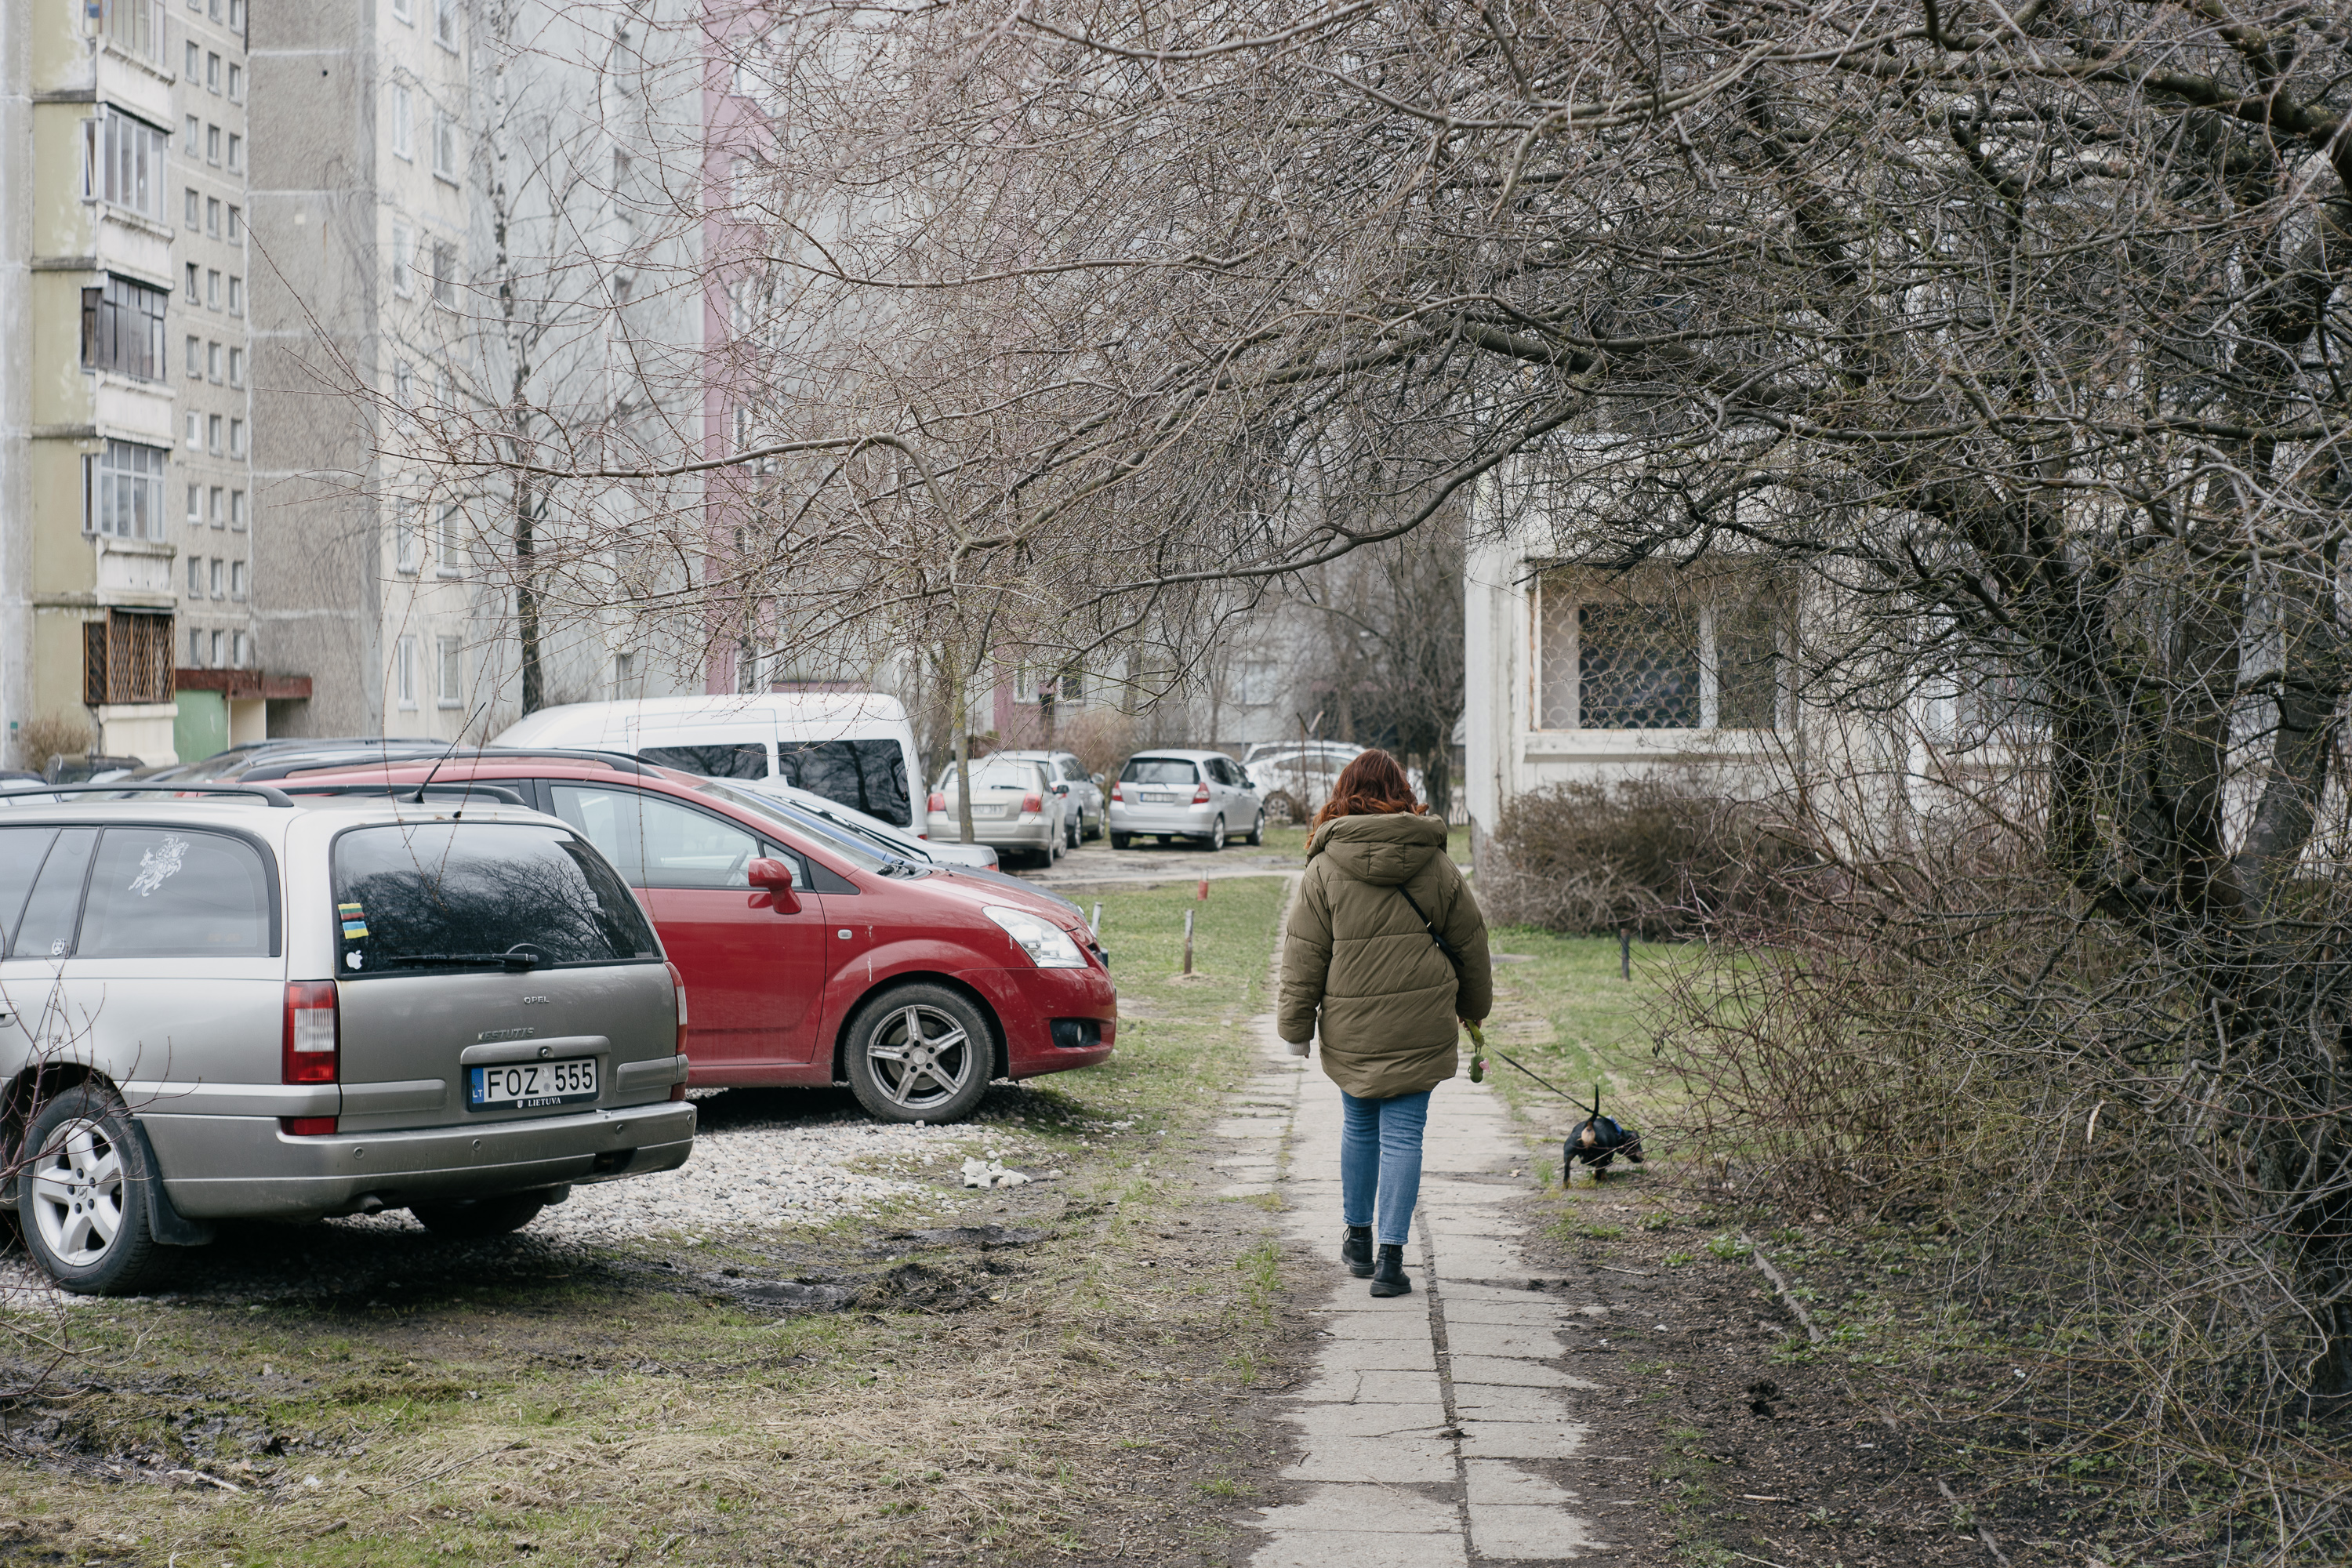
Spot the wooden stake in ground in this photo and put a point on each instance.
(1188, 941)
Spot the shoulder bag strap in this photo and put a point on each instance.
(1443, 946)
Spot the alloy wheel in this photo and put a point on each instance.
(923, 1058)
(77, 1190)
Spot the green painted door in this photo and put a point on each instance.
(201, 726)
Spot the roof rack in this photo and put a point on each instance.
(268, 795)
(620, 762)
(456, 788)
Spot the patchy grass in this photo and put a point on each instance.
(1071, 1390)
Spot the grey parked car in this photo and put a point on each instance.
(1013, 808)
(1201, 795)
(239, 1005)
(1085, 812)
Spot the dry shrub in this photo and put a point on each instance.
(1920, 1023)
(1664, 855)
(51, 735)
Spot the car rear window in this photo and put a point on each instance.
(748, 760)
(172, 892)
(22, 850)
(870, 775)
(417, 898)
(1158, 771)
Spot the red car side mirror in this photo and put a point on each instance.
(776, 878)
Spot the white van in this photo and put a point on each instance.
(854, 747)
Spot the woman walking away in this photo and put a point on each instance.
(1386, 942)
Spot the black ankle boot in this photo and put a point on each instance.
(1388, 1278)
(1355, 1250)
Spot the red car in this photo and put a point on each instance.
(810, 959)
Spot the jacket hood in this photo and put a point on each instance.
(1385, 850)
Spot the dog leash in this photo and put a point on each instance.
(1545, 1082)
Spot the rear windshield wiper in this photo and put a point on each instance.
(522, 955)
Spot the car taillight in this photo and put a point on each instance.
(1115, 794)
(677, 989)
(310, 1053)
(1032, 802)
(939, 801)
(1200, 794)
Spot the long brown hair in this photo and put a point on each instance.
(1372, 785)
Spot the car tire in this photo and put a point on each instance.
(1257, 829)
(1077, 834)
(471, 1218)
(1097, 830)
(1119, 840)
(1217, 839)
(954, 1032)
(82, 1195)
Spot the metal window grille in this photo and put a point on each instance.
(1658, 652)
(126, 658)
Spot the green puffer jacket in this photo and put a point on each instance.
(1355, 949)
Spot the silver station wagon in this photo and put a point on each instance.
(239, 1005)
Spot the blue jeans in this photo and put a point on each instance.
(1380, 1154)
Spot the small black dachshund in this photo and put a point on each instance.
(1596, 1140)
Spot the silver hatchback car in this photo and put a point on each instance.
(239, 1005)
(1202, 795)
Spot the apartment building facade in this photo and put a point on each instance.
(126, 538)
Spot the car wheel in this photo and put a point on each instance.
(1216, 839)
(1119, 840)
(1077, 831)
(471, 1217)
(82, 1195)
(1097, 831)
(921, 1053)
(1257, 829)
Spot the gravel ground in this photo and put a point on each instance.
(762, 1159)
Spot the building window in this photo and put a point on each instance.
(444, 273)
(212, 288)
(195, 359)
(212, 73)
(236, 367)
(404, 385)
(195, 136)
(236, 225)
(624, 672)
(196, 507)
(194, 280)
(194, 208)
(236, 83)
(403, 122)
(449, 557)
(237, 508)
(123, 329)
(236, 153)
(445, 23)
(405, 11)
(408, 537)
(124, 493)
(444, 147)
(211, 144)
(236, 438)
(126, 657)
(218, 659)
(243, 645)
(212, 217)
(195, 576)
(134, 27)
(212, 506)
(195, 648)
(1659, 653)
(451, 664)
(237, 579)
(194, 61)
(236, 16)
(212, 434)
(195, 432)
(213, 361)
(216, 576)
(236, 295)
(403, 672)
(122, 164)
